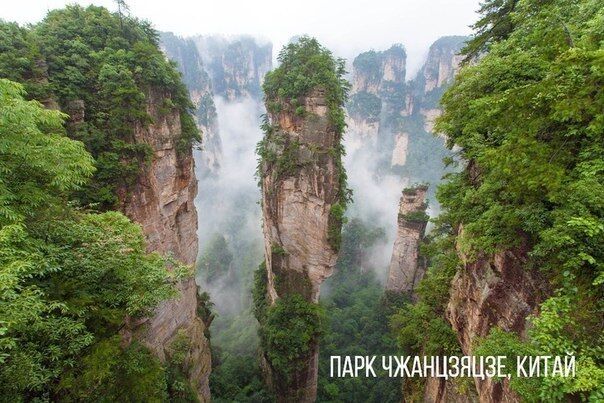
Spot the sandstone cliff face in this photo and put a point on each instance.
(499, 291)
(406, 266)
(373, 71)
(215, 66)
(376, 77)
(442, 63)
(162, 202)
(296, 208)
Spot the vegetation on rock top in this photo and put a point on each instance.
(102, 68)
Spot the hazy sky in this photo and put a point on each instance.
(345, 26)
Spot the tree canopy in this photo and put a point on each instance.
(528, 118)
(100, 68)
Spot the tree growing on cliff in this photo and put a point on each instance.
(494, 25)
(69, 278)
(306, 66)
(529, 120)
(291, 321)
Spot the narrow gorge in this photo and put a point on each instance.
(187, 216)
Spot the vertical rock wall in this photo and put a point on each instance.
(395, 115)
(296, 207)
(184, 52)
(406, 266)
(162, 202)
(494, 292)
(376, 78)
(236, 65)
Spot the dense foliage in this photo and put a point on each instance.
(305, 65)
(494, 25)
(288, 328)
(103, 69)
(529, 120)
(58, 325)
(357, 319)
(236, 374)
(292, 325)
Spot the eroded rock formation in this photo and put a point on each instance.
(396, 116)
(301, 203)
(236, 65)
(499, 291)
(161, 201)
(442, 63)
(296, 209)
(376, 77)
(407, 268)
(216, 66)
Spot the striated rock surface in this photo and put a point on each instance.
(394, 116)
(162, 202)
(499, 291)
(442, 63)
(376, 77)
(296, 209)
(406, 267)
(437, 73)
(374, 72)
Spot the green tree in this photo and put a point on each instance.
(495, 24)
(103, 69)
(68, 278)
(529, 120)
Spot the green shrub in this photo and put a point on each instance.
(292, 326)
(415, 217)
(304, 66)
(336, 220)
